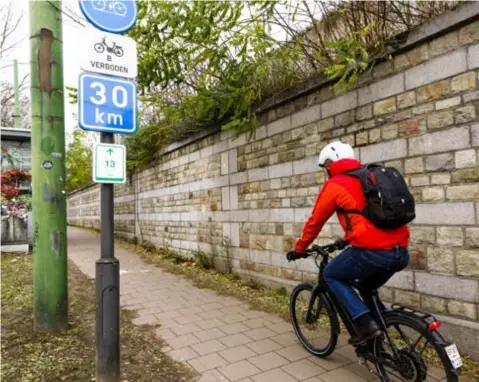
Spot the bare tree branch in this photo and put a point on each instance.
(70, 13)
(10, 25)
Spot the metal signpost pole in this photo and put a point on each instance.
(107, 290)
(107, 104)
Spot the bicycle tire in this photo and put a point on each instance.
(333, 320)
(99, 48)
(413, 322)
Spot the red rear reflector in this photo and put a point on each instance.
(433, 326)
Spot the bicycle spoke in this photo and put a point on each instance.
(312, 322)
(403, 336)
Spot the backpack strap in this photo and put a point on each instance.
(361, 174)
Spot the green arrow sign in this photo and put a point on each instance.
(110, 151)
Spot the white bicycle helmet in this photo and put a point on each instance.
(335, 151)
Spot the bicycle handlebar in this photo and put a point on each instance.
(329, 248)
(324, 250)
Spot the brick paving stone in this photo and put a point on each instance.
(213, 376)
(208, 362)
(133, 306)
(209, 324)
(185, 329)
(341, 375)
(233, 318)
(211, 314)
(260, 333)
(234, 328)
(252, 314)
(209, 334)
(236, 340)
(230, 301)
(212, 306)
(434, 371)
(282, 327)
(333, 361)
(264, 346)
(275, 375)
(165, 333)
(239, 370)
(285, 339)
(166, 315)
(348, 352)
(168, 324)
(294, 352)
(274, 319)
(148, 311)
(303, 369)
(363, 371)
(236, 354)
(149, 319)
(235, 309)
(268, 361)
(190, 311)
(257, 323)
(186, 319)
(208, 347)
(183, 354)
(182, 341)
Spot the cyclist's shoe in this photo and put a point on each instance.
(368, 330)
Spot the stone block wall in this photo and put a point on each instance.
(244, 202)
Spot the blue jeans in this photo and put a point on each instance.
(372, 269)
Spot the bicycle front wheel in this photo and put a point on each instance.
(314, 320)
(416, 354)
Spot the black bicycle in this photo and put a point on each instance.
(411, 348)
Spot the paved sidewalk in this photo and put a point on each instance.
(220, 337)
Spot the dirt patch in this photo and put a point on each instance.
(70, 355)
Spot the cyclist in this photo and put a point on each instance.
(374, 255)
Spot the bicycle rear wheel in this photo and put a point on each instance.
(418, 353)
(314, 320)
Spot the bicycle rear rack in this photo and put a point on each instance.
(422, 315)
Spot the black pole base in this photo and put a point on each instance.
(108, 320)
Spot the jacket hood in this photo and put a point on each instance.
(343, 165)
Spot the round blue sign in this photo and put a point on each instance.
(115, 16)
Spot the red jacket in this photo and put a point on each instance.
(345, 192)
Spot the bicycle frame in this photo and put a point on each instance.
(322, 287)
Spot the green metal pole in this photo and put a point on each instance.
(16, 116)
(48, 167)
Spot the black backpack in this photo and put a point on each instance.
(389, 204)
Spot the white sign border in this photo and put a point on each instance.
(97, 32)
(94, 172)
(93, 21)
(112, 130)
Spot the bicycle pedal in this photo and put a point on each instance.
(362, 361)
(361, 349)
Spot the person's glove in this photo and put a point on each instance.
(340, 244)
(293, 255)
